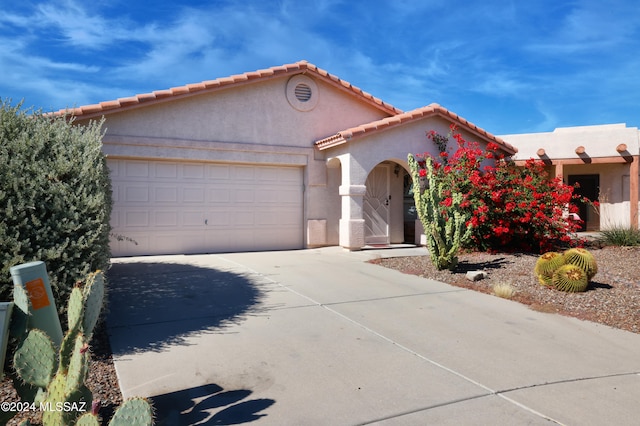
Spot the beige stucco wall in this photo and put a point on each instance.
(392, 144)
(252, 123)
(359, 156)
(600, 142)
(257, 113)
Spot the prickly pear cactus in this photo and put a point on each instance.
(78, 365)
(35, 359)
(94, 299)
(133, 412)
(75, 308)
(88, 419)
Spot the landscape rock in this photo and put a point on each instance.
(476, 275)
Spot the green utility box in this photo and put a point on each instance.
(32, 294)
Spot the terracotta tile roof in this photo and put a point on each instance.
(103, 108)
(431, 110)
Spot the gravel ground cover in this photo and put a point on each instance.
(613, 296)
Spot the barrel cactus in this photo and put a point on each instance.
(571, 278)
(546, 265)
(582, 258)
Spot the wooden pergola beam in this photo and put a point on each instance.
(595, 160)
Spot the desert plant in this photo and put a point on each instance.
(55, 198)
(54, 377)
(509, 207)
(582, 258)
(571, 278)
(620, 236)
(546, 265)
(445, 228)
(504, 290)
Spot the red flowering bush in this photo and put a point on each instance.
(510, 207)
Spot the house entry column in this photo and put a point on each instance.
(352, 192)
(352, 221)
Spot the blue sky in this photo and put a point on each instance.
(508, 66)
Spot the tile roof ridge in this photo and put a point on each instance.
(345, 135)
(218, 83)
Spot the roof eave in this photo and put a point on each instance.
(196, 89)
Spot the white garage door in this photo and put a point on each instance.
(175, 207)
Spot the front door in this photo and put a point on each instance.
(376, 206)
(588, 187)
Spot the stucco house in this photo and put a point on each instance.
(282, 158)
(602, 159)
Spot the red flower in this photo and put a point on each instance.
(422, 172)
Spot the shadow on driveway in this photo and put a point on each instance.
(154, 305)
(195, 406)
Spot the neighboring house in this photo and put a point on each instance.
(283, 158)
(603, 160)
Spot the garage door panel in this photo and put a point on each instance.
(244, 219)
(135, 219)
(165, 194)
(136, 169)
(245, 195)
(243, 173)
(219, 219)
(136, 193)
(174, 207)
(192, 218)
(193, 171)
(218, 195)
(266, 196)
(166, 171)
(288, 197)
(193, 195)
(220, 172)
(166, 218)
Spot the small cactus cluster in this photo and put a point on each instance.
(56, 377)
(570, 271)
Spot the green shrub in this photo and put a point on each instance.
(55, 198)
(620, 236)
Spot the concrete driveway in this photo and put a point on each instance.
(320, 337)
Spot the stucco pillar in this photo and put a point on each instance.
(352, 191)
(560, 171)
(634, 171)
(352, 221)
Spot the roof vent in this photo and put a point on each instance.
(302, 92)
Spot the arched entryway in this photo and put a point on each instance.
(388, 207)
